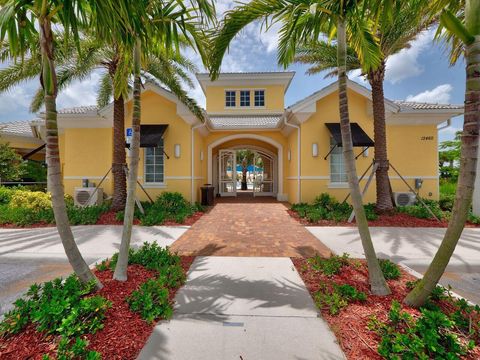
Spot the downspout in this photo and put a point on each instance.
(192, 190)
(299, 172)
(448, 124)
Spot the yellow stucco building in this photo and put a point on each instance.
(297, 155)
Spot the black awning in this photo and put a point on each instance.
(359, 137)
(150, 135)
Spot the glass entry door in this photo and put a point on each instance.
(227, 173)
(263, 175)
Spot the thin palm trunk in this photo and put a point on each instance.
(378, 284)
(384, 199)
(466, 180)
(55, 185)
(119, 157)
(122, 263)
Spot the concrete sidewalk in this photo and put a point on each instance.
(246, 308)
(30, 256)
(414, 248)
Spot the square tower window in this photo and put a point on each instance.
(230, 98)
(259, 98)
(245, 98)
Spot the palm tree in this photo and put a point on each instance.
(96, 55)
(464, 37)
(165, 22)
(304, 21)
(245, 158)
(29, 23)
(394, 34)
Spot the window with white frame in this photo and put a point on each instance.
(245, 98)
(338, 173)
(230, 98)
(259, 98)
(154, 164)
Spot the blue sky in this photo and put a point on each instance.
(420, 73)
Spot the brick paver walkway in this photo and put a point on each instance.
(241, 227)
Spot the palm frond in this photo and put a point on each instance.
(18, 73)
(105, 90)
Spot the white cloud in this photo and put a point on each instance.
(405, 63)
(439, 94)
(80, 92)
(17, 99)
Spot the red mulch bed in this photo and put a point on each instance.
(350, 325)
(124, 333)
(395, 220)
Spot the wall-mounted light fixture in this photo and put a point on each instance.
(314, 149)
(289, 155)
(201, 155)
(365, 152)
(177, 150)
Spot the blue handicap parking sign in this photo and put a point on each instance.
(129, 131)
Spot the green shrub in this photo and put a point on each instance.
(151, 301)
(326, 201)
(88, 215)
(419, 211)
(473, 218)
(154, 218)
(5, 195)
(446, 201)
(23, 216)
(58, 307)
(329, 266)
(370, 212)
(338, 297)
(72, 350)
(390, 270)
(431, 336)
(168, 206)
(35, 200)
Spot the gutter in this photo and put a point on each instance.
(192, 142)
(299, 148)
(449, 123)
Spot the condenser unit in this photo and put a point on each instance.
(404, 198)
(87, 196)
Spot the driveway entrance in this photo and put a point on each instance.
(246, 226)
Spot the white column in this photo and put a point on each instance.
(476, 193)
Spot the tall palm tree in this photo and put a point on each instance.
(304, 21)
(464, 37)
(244, 158)
(394, 34)
(167, 22)
(27, 23)
(96, 55)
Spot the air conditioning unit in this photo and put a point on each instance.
(404, 198)
(87, 196)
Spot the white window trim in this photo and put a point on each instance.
(332, 184)
(264, 99)
(249, 97)
(238, 97)
(148, 184)
(225, 99)
(338, 185)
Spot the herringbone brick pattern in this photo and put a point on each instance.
(241, 227)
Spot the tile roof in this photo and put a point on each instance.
(245, 121)
(412, 105)
(79, 110)
(21, 128)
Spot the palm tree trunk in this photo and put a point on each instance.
(122, 263)
(466, 180)
(378, 284)
(48, 80)
(384, 200)
(119, 157)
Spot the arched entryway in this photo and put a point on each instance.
(266, 171)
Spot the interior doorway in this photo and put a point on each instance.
(246, 171)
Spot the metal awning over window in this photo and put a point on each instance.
(359, 137)
(150, 135)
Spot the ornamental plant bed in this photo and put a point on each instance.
(395, 220)
(123, 334)
(352, 320)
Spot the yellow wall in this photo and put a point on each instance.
(274, 99)
(404, 145)
(23, 145)
(88, 152)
